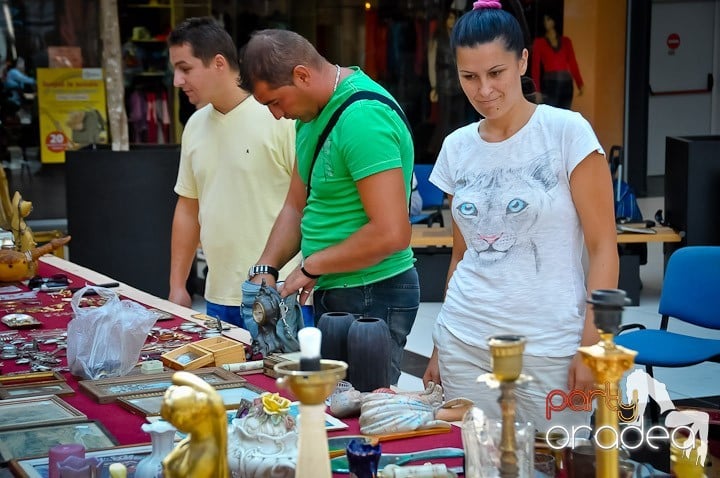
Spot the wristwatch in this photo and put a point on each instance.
(263, 269)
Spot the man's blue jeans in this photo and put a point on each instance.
(394, 300)
(227, 313)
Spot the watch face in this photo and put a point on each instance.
(258, 312)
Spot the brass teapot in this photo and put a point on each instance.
(20, 265)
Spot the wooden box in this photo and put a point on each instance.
(223, 350)
(187, 357)
(271, 360)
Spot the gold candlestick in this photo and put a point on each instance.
(311, 388)
(608, 363)
(506, 352)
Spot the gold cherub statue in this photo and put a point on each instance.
(194, 407)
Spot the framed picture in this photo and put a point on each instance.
(30, 377)
(36, 389)
(36, 441)
(127, 455)
(148, 404)
(38, 411)
(106, 390)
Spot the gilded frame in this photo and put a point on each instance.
(30, 377)
(107, 390)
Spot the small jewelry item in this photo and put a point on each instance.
(337, 77)
(306, 273)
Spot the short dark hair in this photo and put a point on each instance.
(207, 38)
(272, 54)
(477, 27)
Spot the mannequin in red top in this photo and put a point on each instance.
(553, 55)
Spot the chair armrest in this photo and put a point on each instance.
(623, 328)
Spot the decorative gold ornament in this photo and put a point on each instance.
(608, 362)
(194, 407)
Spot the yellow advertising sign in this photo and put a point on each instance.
(71, 103)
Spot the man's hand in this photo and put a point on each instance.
(180, 296)
(297, 281)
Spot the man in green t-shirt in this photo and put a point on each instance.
(347, 207)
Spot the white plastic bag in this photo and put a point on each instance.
(105, 341)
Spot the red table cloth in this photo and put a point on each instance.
(124, 425)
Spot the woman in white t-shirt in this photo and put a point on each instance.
(528, 186)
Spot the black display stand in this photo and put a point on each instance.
(432, 266)
(120, 207)
(692, 189)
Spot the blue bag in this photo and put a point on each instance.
(626, 205)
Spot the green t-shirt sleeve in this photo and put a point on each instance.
(370, 136)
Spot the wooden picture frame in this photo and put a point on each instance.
(36, 389)
(107, 390)
(127, 455)
(35, 441)
(148, 404)
(37, 411)
(30, 377)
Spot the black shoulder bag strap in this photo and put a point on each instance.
(360, 95)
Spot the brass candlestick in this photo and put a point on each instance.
(608, 363)
(311, 388)
(506, 352)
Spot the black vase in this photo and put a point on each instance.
(369, 354)
(334, 327)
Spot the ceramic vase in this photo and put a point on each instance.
(334, 327)
(363, 459)
(162, 436)
(369, 354)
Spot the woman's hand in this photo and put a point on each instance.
(580, 376)
(432, 372)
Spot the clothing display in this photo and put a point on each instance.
(225, 159)
(553, 71)
(149, 116)
(444, 82)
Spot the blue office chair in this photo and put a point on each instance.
(432, 198)
(690, 293)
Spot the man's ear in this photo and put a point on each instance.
(219, 62)
(301, 75)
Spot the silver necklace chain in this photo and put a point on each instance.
(337, 77)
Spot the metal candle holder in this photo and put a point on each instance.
(608, 362)
(311, 389)
(506, 352)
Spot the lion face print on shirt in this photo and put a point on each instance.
(498, 210)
